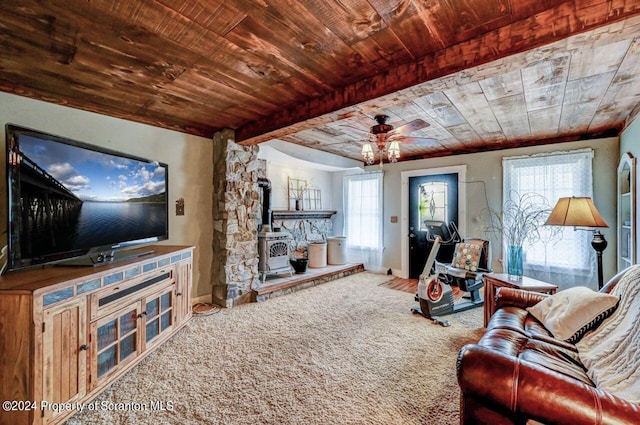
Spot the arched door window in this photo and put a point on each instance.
(433, 202)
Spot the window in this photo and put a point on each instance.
(554, 176)
(433, 204)
(363, 217)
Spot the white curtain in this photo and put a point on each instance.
(567, 260)
(363, 218)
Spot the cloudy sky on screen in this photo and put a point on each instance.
(94, 176)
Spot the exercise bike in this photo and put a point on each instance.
(470, 261)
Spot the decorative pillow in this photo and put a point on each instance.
(571, 313)
(467, 256)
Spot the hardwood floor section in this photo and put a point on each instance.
(401, 284)
(411, 286)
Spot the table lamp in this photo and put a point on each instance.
(581, 212)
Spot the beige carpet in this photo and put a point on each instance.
(345, 352)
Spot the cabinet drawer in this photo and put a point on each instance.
(112, 298)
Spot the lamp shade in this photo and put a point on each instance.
(575, 211)
(367, 153)
(394, 152)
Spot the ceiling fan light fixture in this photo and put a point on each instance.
(382, 128)
(367, 153)
(393, 153)
(384, 139)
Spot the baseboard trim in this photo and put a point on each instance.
(201, 299)
(398, 273)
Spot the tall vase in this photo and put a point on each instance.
(514, 262)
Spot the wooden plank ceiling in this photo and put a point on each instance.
(484, 74)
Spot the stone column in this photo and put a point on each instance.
(236, 208)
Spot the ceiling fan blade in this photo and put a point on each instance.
(418, 141)
(409, 128)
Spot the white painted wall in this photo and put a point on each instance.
(279, 174)
(319, 169)
(189, 159)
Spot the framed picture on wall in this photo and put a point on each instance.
(302, 196)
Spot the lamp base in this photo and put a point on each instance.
(599, 244)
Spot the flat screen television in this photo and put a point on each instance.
(71, 200)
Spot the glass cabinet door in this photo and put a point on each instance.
(626, 211)
(159, 315)
(117, 341)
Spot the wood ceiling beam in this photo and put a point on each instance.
(554, 24)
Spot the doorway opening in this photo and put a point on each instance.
(435, 193)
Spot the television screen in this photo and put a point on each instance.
(69, 199)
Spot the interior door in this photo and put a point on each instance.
(431, 197)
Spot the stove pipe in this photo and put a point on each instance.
(265, 184)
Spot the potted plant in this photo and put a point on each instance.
(300, 260)
(520, 222)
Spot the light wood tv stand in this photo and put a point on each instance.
(66, 333)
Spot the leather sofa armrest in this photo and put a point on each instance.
(531, 391)
(517, 298)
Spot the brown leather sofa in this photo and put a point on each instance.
(518, 372)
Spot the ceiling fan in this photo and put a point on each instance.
(387, 138)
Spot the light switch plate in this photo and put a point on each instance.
(180, 206)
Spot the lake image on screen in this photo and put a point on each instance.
(102, 223)
(93, 199)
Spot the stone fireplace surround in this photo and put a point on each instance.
(236, 216)
(304, 226)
